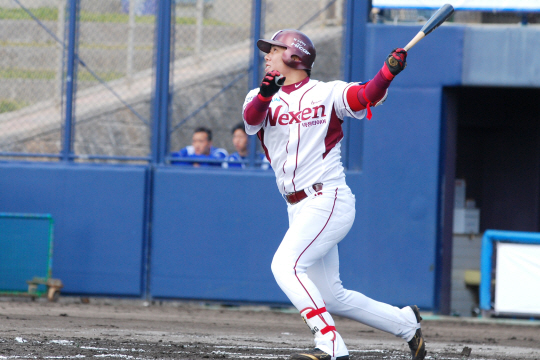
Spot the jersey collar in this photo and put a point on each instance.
(292, 87)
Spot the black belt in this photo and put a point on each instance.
(296, 197)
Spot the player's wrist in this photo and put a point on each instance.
(385, 71)
(263, 98)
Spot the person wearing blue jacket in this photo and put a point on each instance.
(200, 151)
(240, 142)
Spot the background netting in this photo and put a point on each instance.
(212, 61)
(115, 68)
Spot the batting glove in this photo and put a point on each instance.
(396, 61)
(270, 85)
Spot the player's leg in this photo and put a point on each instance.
(356, 306)
(317, 224)
(404, 323)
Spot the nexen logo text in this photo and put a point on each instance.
(294, 117)
(301, 48)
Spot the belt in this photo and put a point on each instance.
(296, 197)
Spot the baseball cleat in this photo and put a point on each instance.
(417, 344)
(316, 354)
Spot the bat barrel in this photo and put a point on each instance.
(438, 18)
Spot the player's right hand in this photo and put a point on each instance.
(269, 85)
(396, 61)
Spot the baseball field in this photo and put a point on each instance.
(74, 328)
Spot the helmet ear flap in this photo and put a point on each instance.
(291, 60)
(296, 58)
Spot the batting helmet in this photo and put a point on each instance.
(297, 43)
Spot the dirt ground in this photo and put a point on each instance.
(134, 329)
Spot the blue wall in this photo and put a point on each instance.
(393, 255)
(98, 221)
(214, 234)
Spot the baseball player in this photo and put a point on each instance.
(298, 121)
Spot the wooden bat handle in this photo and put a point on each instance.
(414, 40)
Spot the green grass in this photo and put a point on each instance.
(11, 105)
(27, 74)
(42, 13)
(50, 75)
(51, 14)
(115, 18)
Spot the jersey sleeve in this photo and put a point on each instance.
(250, 129)
(340, 101)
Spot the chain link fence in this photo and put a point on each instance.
(114, 87)
(212, 58)
(211, 69)
(114, 66)
(31, 66)
(115, 71)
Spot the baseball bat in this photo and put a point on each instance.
(434, 21)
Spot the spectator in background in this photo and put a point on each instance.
(240, 142)
(201, 149)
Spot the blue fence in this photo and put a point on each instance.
(99, 228)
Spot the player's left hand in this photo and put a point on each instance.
(396, 61)
(269, 86)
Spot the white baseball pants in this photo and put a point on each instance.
(306, 267)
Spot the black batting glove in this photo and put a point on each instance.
(271, 83)
(396, 61)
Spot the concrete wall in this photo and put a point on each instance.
(465, 256)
